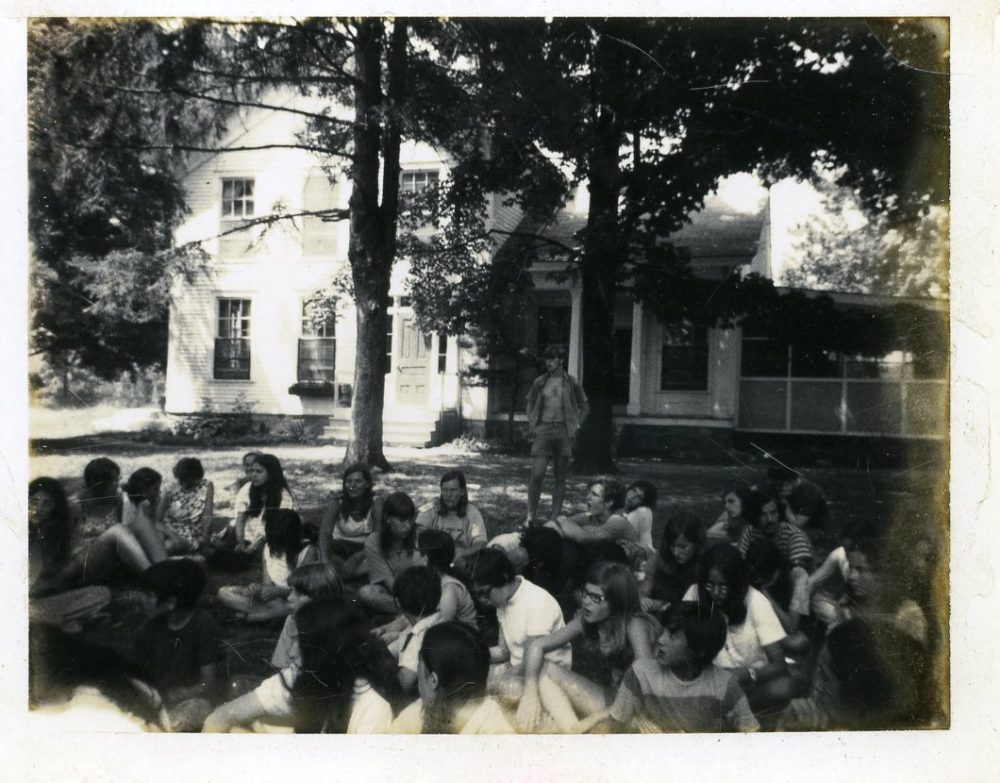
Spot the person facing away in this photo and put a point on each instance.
(418, 593)
(557, 407)
(680, 689)
(344, 683)
(451, 679)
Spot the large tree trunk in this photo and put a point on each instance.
(369, 271)
(598, 273)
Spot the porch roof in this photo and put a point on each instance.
(715, 231)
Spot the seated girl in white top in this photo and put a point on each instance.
(350, 687)
(349, 518)
(753, 651)
(266, 489)
(451, 678)
(284, 551)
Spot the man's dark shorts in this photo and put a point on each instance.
(551, 440)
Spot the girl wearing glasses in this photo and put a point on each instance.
(612, 625)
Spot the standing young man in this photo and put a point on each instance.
(556, 408)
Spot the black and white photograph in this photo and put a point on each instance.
(498, 375)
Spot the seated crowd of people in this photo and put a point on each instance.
(396, 619)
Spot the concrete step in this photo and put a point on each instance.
(420, 434)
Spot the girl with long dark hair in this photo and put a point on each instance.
(675, 567)
(346, 682)
(266, 489)
(390, 551)
(451, 678)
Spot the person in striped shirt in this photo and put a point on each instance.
(681, 689)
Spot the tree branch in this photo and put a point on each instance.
(235, 102)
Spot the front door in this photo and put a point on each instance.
(412, 359)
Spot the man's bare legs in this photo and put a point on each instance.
(539, 464)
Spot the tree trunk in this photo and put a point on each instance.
(515, 389)
(598, 274)
(366, 254)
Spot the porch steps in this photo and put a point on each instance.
(419, 430)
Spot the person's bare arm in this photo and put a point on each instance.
(326, 525)
(208, 512)
(574, 532)
(529, 711)
(237, 712)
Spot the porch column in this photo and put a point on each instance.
(637, 365)
(574, 362)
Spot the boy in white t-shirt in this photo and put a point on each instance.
(524, 611)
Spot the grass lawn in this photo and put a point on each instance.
(497, 485)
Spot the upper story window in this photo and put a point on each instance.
(417, 181)
(232, 340)
(684, 360)
(237, 210)
(237, 198)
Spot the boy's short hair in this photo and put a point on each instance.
(554, 352)
(492, 568)
(418, 590)
(399, 505)
(316, 581)
(181, 579)
(704, 629)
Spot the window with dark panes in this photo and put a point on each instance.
(442, 353)
(684, 358)
(418, 181)
(623, 364)
(317, 345)
(388, 336)
(815, 363)
(232, 341)
(762, 356)
(237, 198)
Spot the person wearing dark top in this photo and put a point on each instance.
(178, 648)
